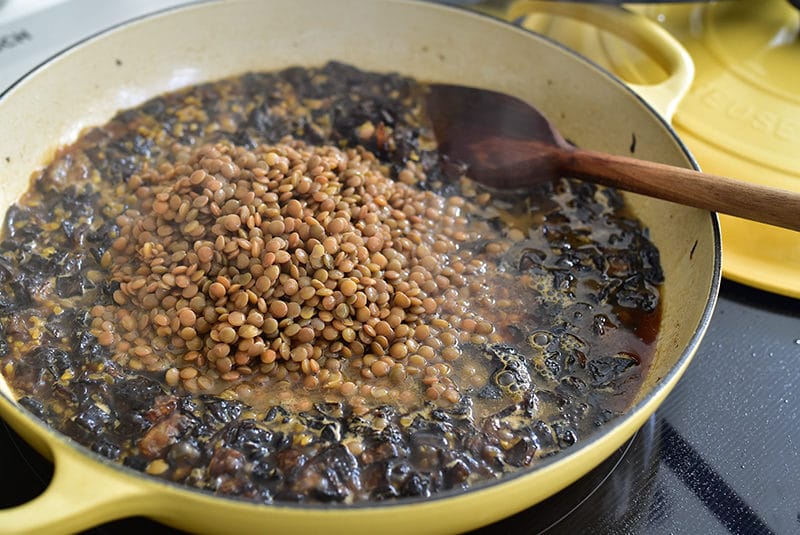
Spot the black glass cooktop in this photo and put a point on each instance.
(721, 455)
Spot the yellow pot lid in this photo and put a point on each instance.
(741, 118)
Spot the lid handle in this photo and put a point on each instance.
(645, 34)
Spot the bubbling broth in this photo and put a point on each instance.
(273, 287)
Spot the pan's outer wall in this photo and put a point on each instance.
(122, 68)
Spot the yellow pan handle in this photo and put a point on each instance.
(83, 493)
(644, 34)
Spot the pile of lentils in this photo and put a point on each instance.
(281, 262)
(272, 287)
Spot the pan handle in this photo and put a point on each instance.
(635, 29)
(83, 493)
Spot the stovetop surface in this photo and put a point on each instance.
(721, 455)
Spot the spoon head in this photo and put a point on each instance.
(505, 142)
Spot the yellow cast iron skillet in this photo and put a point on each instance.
(87, 84)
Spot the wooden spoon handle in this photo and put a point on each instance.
(701, 190)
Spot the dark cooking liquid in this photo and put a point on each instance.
(572, 280)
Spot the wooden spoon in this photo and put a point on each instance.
(508, 144)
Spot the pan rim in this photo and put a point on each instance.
(665, 382)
